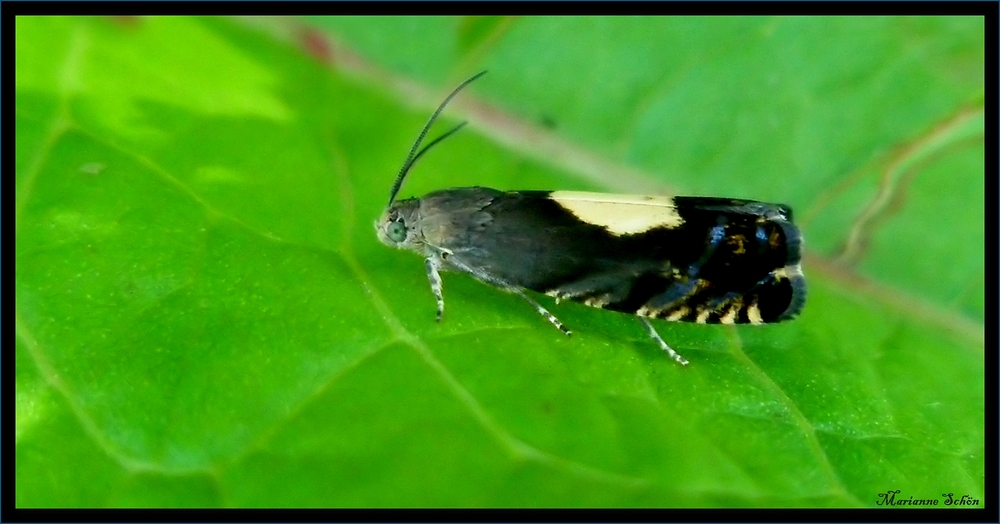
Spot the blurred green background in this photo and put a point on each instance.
(205, 317)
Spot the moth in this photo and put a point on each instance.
(690, 259)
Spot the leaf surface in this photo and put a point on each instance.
(205, 317)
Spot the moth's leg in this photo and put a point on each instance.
(613, 287)
(673, 295)
(432, 265)
(715, 237)
(544, 312)
(663, 345)
(485, 277)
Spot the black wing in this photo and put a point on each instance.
(688, 258)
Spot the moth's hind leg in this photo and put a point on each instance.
(544, 312)
(663, 345)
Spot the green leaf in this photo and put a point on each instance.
(205, 317)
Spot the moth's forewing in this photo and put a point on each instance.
(687, 258)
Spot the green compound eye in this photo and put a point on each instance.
(396, 232)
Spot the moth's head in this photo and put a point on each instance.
(399, 225)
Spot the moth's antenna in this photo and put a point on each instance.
(435, 141)
(414, 153)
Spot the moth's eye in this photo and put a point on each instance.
(396, 231)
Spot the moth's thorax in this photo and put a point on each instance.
(445, 221)
(399, 225)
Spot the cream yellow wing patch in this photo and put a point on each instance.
(620, 214)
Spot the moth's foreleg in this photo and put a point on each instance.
(656, 336)
(544, 312)
(434, 277)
